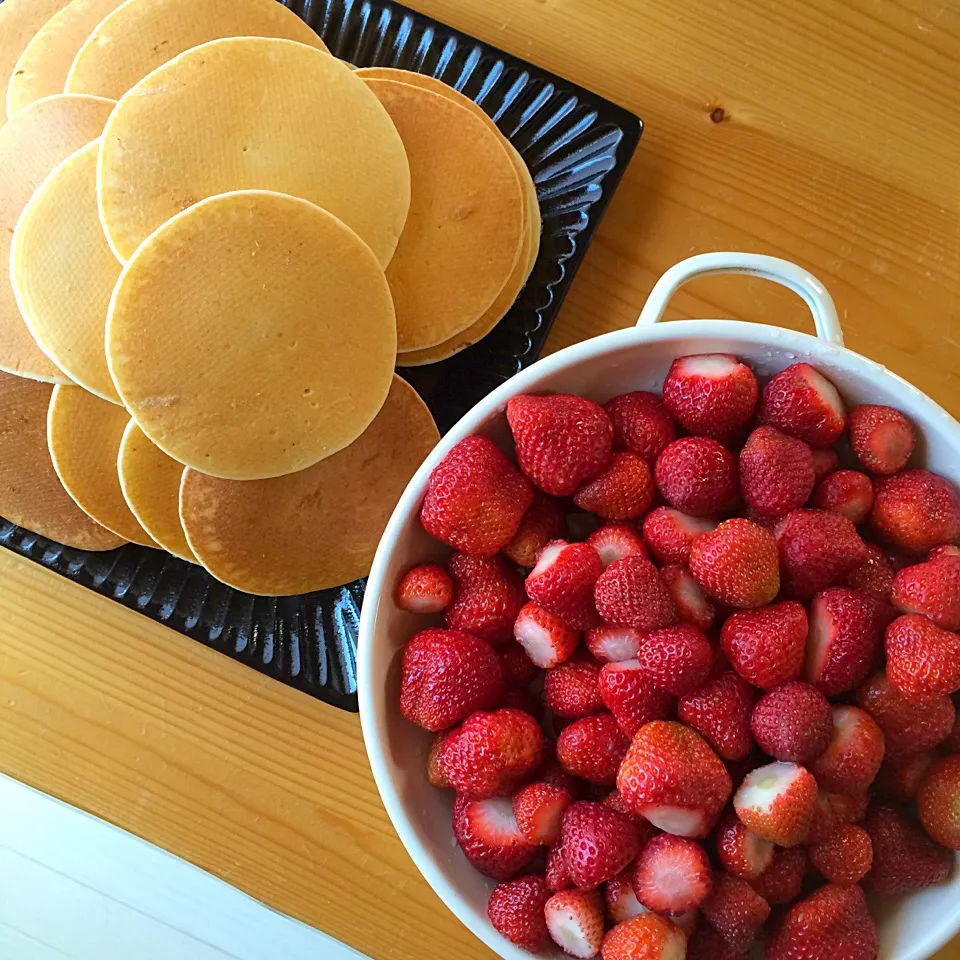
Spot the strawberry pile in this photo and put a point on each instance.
(695, 685)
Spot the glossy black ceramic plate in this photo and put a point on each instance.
(577, 146)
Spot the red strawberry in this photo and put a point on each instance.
(875, 577)
(538, 808)
(904, 857)
(558, 876)
(676, 659)
(487, 596)
(647, 937)
(645, 829)
(824, 820)
(489, 837)
(851, 761)
(671, 777)
(692, 604)
(824, 463)
(931, 588)
(776, 472)
(563, 581)
(923, 661)
(475, 498)
(737, 564)
(631, 697)
(882, 438)
(435, 775)
(616, 541)
(938, 802)
(916, 511)
(845, 640)
(562, 441)
(621, 898)
(571, 690)
(544, 521)
(597, 842)
(765, 646)
(672, 874)
(698, 476)
(592, 748)
(817, 549)
(518, 668)
(845, 856)
(741, 851)
(720, 711)
(632, 593)
(641, 424)
(950, 550)
(735, 910)
(425, 589)
(446, 675)
(848, 492)
(614, 644)
(624, 490)
(516, 911)
(777, 802)
(706, 944)
(783, 880)
(900, 777)
(831, 924)
(546, 639)
(793, 722)
(670, 534)
(801, 402)
(907, 727)
(575, 922)
(489, 754)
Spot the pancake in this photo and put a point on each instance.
(240, 362)
(314, 529)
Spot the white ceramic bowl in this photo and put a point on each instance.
(634, 359)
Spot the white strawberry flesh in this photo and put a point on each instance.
(683, 821)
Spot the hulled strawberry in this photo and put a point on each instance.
(613, 644)
(817, 549)
(904, 857)
(544, 521)
(575, 922)
(692, 604)
(801, 402)
(698, 476)
(621, 899)
(632, 698)
(489, 837)
(793, 722)
(737, 564)
(824, 463)
(538, 808)
(592, 748)
(676, 659)
(875, 576)
(614, 541)
(845, 856)
(598, 842)
(931, 589)
(766, 646)
(853, 757)
(741, 851)
(783, 880)
(516, 911)
(641, 423)
(632, 593)
(777, 802)
(720, 710)
(672, 874)
(557, 875)
(545, 638)
(908, 727)
(776, 473)
(487, 596)
(831, 924)
(938, 801)
(670, 534)
(735, 910)
(649, 937)
(848, 492)
(622, 491)
(572, 689)
(563, 582)
(916, 511)
(882, 438)
(425, 589)
(923, 661)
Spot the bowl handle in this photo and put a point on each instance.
(780, 271)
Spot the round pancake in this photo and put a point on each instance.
(42, 68)
(463, 235)
(141, 35)
(31, 144)
(31, 494)
(252, 114)
(63, 272)
(314, 529)
(270, 351)
(150, 481)
(84, 433)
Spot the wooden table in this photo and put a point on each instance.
(825, 131)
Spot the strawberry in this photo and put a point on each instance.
(538, 808)
(571, 690)
(621, 898)
(446, 675)
(706, 944)
(698, 476)
(632, 593)
(516, 911)
(670, 776)
(692, 604)
(824, 820)
(851, 761)
(848, 492)
(592, 748)
(845, 856)
(647, 937)
(720, 711)
(552, 772)
(875, 576)
(489, 837)
(947, 550)
(546, 639)
(792, 722)
(931, 588)
(615, 541)
(562, 441)
(783, 880)
(641, 423)
(923, 661)
(557, 876)
(817, 549)
(435, 775)
(776, 472)
(777, 802)
(741, 851)
(614, 644)
(489, 754)
(907, 727)
(900, 777)
(845, 639)
(904, 857)
(487, 596)
(575, 922)
(544, 521)
(824, 463)
(425, 589)
(849, 807)
(938, 801)
(735, 910)
(645, 829)
(672, 874)
(765, 646)
(670, 534)
(475, 498)
(598, 842)
(737, 564)
(563, 581)
(882, 438)
(676, 659)
(631, 697)
(518, 668)
(831, 924)
(624, 490)
(801, 402)
(916, 511)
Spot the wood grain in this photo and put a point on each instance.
(826, 131)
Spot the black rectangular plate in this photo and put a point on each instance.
(577, 146)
